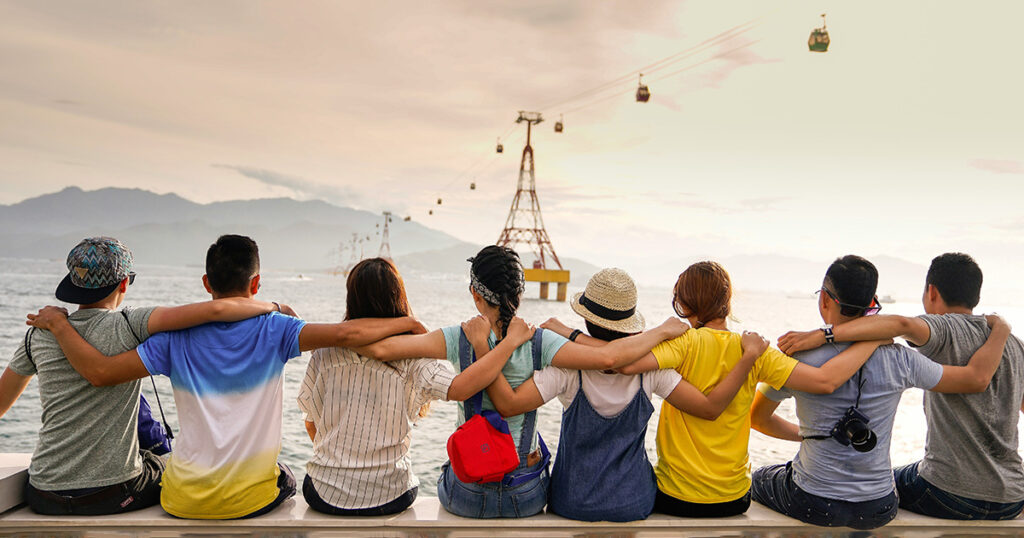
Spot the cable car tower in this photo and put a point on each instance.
(525, 225)
(385, 239)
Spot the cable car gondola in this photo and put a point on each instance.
(819, 40)
(642, 93)
(438, 201)
(431, 212)
(558, 124)
(472, 186)
(499, 148)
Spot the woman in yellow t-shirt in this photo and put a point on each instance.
(703, 468)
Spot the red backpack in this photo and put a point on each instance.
(482, 450)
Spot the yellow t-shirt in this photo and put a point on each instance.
(703, 461)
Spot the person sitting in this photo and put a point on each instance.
(842, 475)
(601, 471)
(971, 467)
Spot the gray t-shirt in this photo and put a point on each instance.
(826, 468)
(89, 435)
(971, 448)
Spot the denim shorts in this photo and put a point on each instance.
(493, 500)
(921, 496)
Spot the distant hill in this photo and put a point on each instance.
(168, 229)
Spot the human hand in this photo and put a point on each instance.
(672, 327)
(556, 326)
(753, 343)
(519, 331)
(477, 329)
(288, 311)
(794, 341)
(995, 321)
(418, 327)
(47, 317)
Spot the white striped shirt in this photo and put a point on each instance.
(364, 411)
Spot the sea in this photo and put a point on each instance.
(438, 300)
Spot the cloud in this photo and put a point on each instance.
(999, 166)
(301, 186)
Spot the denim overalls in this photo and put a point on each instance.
(601, 472)
(524, 491)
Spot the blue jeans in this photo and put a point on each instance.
(773, 487)
(919, 495)
(492, 500)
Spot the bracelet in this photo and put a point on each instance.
(574, 334)
(277, 306)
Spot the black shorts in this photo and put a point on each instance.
(136, 493)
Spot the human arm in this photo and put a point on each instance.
(556, 326)
(511, 402)
(912, 329)
(690, 400)
(617, 353)
(355, 333)
(977, 374)
(12, 384)
(173, 318)
(407, 346)
(825, 379)
(764, 419)
(310, 429)
(97, 368)
(486, 368)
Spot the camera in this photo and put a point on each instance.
(853, 430)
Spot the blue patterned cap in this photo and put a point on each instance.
(95, 267)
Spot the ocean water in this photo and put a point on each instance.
(438, 300)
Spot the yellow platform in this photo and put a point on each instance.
(547, 277)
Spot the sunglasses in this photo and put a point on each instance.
(678, 309)
(131, 278)
(870, 310)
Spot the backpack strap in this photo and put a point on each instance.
(530, 417)
(473, 404)
(138, 342)
(28, 344)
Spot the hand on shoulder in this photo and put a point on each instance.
(47, 317)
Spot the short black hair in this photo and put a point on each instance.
(603, 334)
(854, 280)
(231, 262)
(957, 277)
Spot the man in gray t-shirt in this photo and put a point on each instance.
(971, 468)
(840, 478)
(87, 459)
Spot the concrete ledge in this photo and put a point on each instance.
(427, 517)
(13, 477)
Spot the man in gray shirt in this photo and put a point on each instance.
(971, 468)
(87, 459)
(842, 475)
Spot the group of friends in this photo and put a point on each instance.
(373, 375)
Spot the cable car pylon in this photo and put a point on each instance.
(525, 225)
(385, 238)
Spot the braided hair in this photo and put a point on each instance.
(500, 273)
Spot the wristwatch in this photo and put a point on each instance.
(829, 336)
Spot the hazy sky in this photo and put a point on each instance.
(904, 139)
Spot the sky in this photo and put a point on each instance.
(905, 139)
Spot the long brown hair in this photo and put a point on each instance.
(704, 290)
(374, 289)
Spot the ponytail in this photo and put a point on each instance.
(497, 275)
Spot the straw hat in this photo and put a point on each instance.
(609, 301)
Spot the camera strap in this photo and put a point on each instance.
(860, 386)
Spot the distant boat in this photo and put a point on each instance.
(886, 299)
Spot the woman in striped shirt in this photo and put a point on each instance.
(360, 411)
